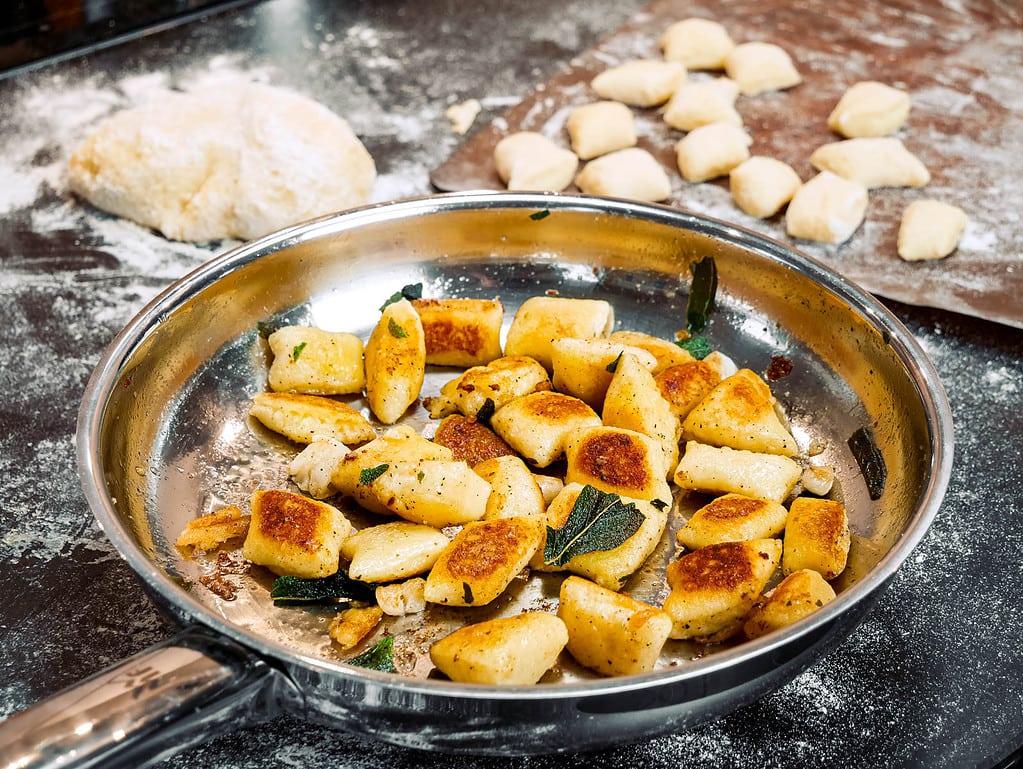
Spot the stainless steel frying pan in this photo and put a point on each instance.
(163, 437)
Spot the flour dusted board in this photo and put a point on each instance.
(960, 62)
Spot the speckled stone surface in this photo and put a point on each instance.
(932, 678)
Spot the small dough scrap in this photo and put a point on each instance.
(762, 185)
(462, 115)
(869, 108)
(827, 208)
(630, 173)
(759, 67)
(930, 229)
(530, 161)
(601, 127)
(223, 162)
(873, 162)
(711, 151)
(703, 102)
(641, 83)
(697, 43)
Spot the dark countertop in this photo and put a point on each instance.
(932, 678)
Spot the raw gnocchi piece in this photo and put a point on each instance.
(702, 102)
(816, 537)
(399, 599)
(400, 443)
(714, 470)
(601, 127)
(608, 568)
(930, 229)
(711, 150)
(395, 362)
(641, 82)
(513, 488)
(499, 382)
(666, 353)
(311, 360)
(508, 651)
(697, 43)
(611, 633)
(584, 367)
(870, 108)
(732, 518)
(630, 173)
(801, 593)
(542, 319)
(434, 492)
(460, 332)
(213, 530)
(762, 185)
(294, 535)
(619, 461)
(873, 162)
(530, 161)
(683, 385)
(827, 209)
(758, 67)
(634, 401)
(482, 560)
(350, 626)
(392, 551)
(715, 587)
(470, 440)
(742, 413)
(302, 418)
(537, 425)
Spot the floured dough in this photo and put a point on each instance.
(873, 162)
(759, 67)
(762, 185)
(827, 208)
(630, 173)
(601, 127)
(529, 161)
(225, 162)
(869, 108)
(711, 151)
(641, 83)
(930, 229)
(702, 102)
(697, 43)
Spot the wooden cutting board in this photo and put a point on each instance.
(963, 66)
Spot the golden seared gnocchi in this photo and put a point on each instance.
(732, 517)
(509, 651)
(540, 320)
(213, 530)
(303, 418)
(470, 440)
(665, 352)
(537, 426)
(584, 367)
(350, 626)
(816, 537)
(514, 490)
(497, 383)
(617, 460)
(311, 360)
(395, 361)
(460, 332)
(721, 470)
(609, 632)
(801, 593)
(683, 385)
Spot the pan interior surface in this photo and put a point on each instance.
(173, 439)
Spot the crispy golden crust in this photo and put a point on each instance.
(615, 458)
(685, 384)
(716, 567)
(733, 506)
(208, 532)
(460, 331)
(486, 548)
(289, 518)
(557, 406)
(469, 440)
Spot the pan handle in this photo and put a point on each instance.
(147, 707)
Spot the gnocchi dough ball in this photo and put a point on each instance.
(873, 162)
(697, 43)
(762, 185)
(930, 229)
(530, 161)
(601, 127)
(827, 209)
(758, 67)
(630, 173)
(703, 102)
(711, 151)
(641, 83)
(869, 108)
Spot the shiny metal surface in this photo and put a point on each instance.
(163, 437)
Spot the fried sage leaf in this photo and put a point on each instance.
(701, 294)
(410, 292)
(868, 456)
(378, 657)
(598, 521)
(337, 588)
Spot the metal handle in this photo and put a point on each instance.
(147, 707)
